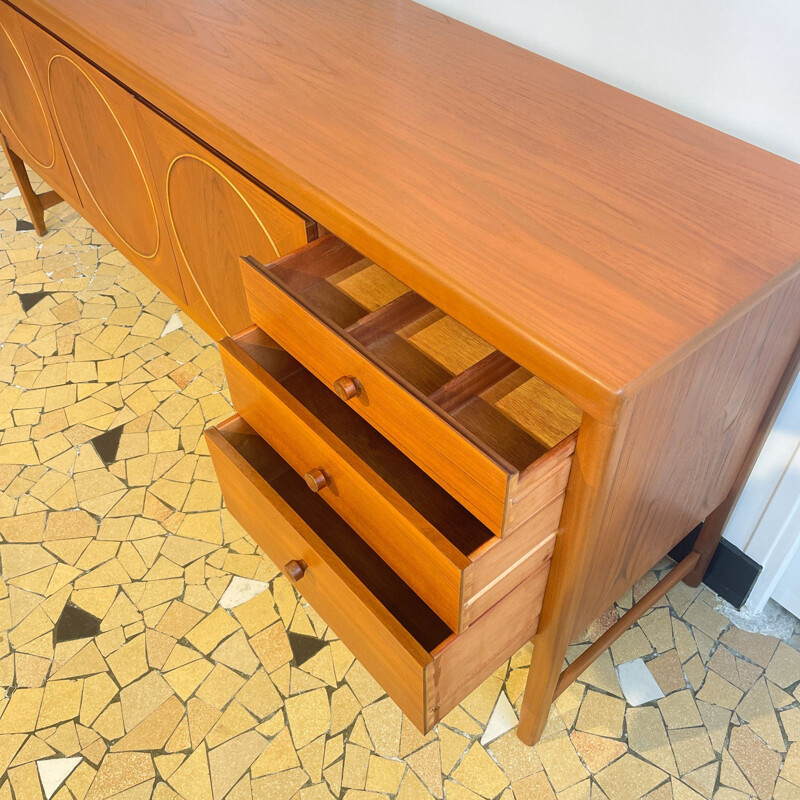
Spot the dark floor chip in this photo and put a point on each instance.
(107, 444)
(30, 299)
(304, 647)
(75, 623)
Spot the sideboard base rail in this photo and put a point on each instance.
(582, 662)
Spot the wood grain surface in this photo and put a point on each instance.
(426, 560)
(364, 602)
(459, 461)
(110, 165)
(25, 118)
(442, 552)
(592, 236)
(715, 523)
(687, 437)
(34, 203)
(214, 216)
(23, 114)
(351, 323)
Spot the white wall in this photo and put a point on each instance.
(734, 65)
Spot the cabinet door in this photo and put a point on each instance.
(98, 126)
(24, 117)
(215, 215)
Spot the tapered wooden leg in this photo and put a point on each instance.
(709, 537)
(585, 500)
(589, 483)
(536, 706)
(710, 534)
(540, 689)
(35, 203)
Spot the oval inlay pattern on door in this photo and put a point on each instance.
(103, 156)
(20, 105)
(214, 225)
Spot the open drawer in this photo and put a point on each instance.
(422, 665)
(474, 420)
(446, 555)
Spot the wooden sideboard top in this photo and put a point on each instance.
(593, 236)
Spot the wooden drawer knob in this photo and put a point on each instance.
(296, 569)
(347, 388)
(317, 479)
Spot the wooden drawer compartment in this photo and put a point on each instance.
(445, 554)
(482, 426)
(423, 666)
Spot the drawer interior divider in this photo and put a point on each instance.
(457, 371)
(516, 420)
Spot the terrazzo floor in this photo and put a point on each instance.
(148, 649)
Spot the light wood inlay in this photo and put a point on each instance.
(590, 235)
(26, 122)
(107, 165)
(192, 180)
(112, 177)
(21, 108)
(215, 216)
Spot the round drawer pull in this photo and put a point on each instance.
(317, 479)
(296, 569)
(347, 388)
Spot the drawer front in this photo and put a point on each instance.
(25, 118)
(414, 549)
(446, 453)
(387, 651)
(215, 216)
(424, 668)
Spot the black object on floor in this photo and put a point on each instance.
(304, 647)
(731, 573)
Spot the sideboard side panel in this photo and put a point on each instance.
(688, 435)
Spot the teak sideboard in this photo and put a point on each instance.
(498, 335)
